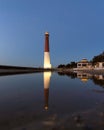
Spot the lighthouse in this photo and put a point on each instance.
(47, 63)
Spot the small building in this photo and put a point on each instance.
(84, 64)
(99, 65)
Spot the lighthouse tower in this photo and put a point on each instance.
(47, 63)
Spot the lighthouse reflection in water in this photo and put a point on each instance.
(47, 76)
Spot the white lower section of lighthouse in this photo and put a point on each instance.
(47, 63)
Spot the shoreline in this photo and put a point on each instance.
(90, 71)
(5, 70)
(9, 70)
(94, 72)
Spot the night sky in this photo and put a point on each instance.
(76, 29)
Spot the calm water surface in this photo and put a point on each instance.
(45, 100)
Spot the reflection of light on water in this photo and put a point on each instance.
(47, 76)
(84, 79)
(83, 76)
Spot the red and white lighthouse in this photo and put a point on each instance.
(47, 63)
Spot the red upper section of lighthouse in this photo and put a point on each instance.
(46, 42)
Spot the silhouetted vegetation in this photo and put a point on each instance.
(69, 65)
(98, 58)
(61, 66)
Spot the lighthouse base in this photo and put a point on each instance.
(47, 60)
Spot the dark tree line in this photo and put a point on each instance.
(98, 58)
(69, 65)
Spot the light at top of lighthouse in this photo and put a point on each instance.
(46, 33)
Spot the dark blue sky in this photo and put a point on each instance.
(76, 30)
